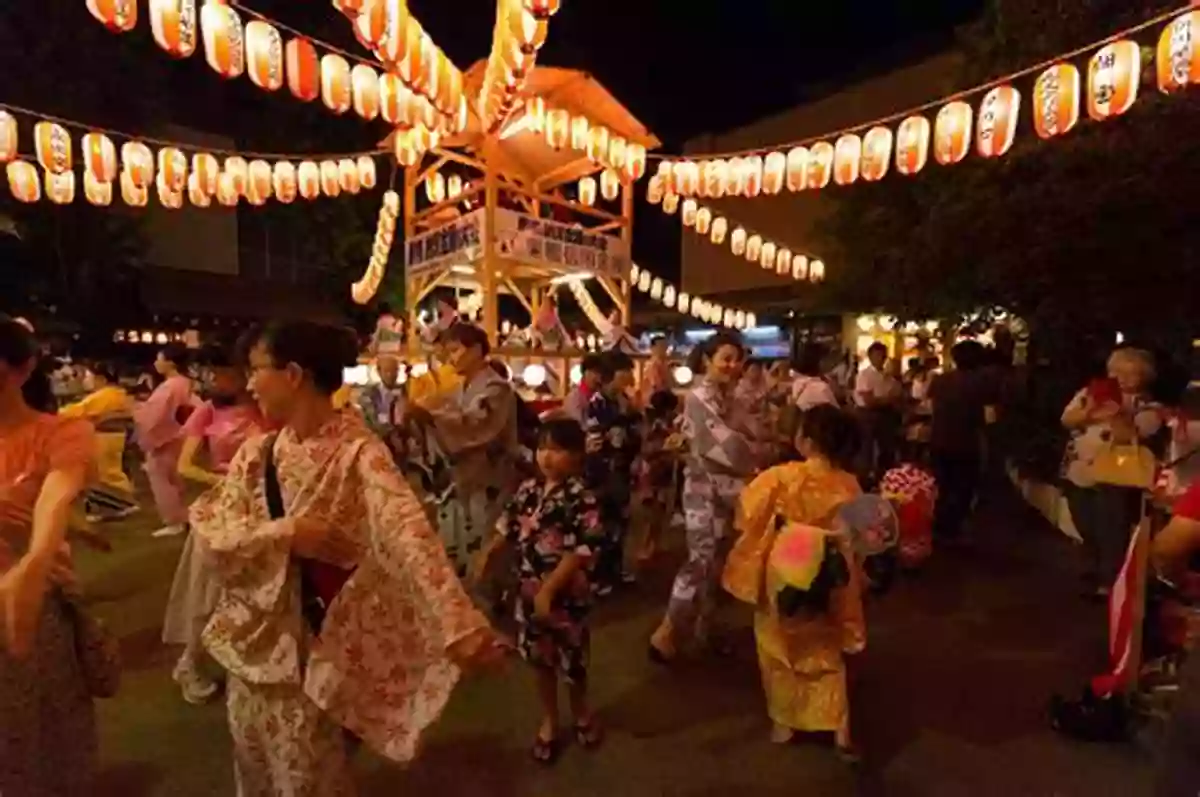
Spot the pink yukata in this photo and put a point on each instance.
(159, 434)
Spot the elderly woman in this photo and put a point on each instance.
(1116, 411)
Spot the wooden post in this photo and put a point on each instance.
(627, 237)
(490, 263)
(411, 285)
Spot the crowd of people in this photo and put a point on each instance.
(352, 557)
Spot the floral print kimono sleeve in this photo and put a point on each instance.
(588, 530)
(249, 551)
(407, 547)
(746, 564)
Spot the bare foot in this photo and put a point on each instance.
(781, 734)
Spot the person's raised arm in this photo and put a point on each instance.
(187, 466)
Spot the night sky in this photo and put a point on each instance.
(683, 68)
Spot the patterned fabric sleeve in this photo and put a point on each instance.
(712, 440)
(508, 525)
(746, 565)
(408, 548)
(483, 420)
(588, 529)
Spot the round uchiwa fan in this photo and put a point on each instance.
(871, 523)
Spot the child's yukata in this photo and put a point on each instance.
(656, 470)
(609, 472)
(544, 526)
(913, 492)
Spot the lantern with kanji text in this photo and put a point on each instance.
(820, 164)
(97, 192)
(335, 83)
(224, 45)
(952, 133)
(1178, 55)
(997, 125)
(877, 153)
(796, 171)
(173, 23)
(132, 193)
(99, 157)
(364, 82)
(1056, 100)
(119, 16)
(172, 169)
(60, 188)
(264, 54)
(24, 183)
(912, 145)
(1114, 75)
(53, 144)
(847, 159)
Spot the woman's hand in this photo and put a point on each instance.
(317, 539)
(483, 650)
(595, 443)
(22, 595)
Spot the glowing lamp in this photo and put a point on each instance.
(816, 271)
(435, 188)
(224, 47)
(119, 16)
(97, 192)
(454, 186)
(173, 23)
(336, 90)
(364, 82)
(558, 128)
(580, 130)
(877, 153)
(997, 126)
(796, 169)
(610, 185)
(238, 171)
(820, 164)
(670, 203)
(206, 170)
(308, 178)
(847, 159)
(1178, 56)
(133, 194)
(1114, 75)
(331, 179)
(766, 257)
(635, 162)
(137, 162)
(617, 152)
(774, 170)
(587, 191)
(368, 177)
(952, 133)
(534, 375)
(783, 262)
(1056, 101)
(60, 188)
(99, 157)
(172, 169)
(23, 181)
(654, 190)
(799, 267)
(53, 147)
(303, 69)
(752, 167)
(260, 179)
(196, 194)
(912, 145)
(754, 245)
(720, 227)
(348, 177)
(264, 55)
(656, 288)
(703, 221)
(737, 241)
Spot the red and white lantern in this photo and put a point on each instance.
(60, 188)
(228, 192)
(174, 24)
(119, 16)
(558, 128)
(737, 241)
(9, 137)
(912, 145)
(331, 182)
(877, 153)
(196, 194)
(168, 197)
(264, 51)
(1178, 55)
(847, 159)
(172, 169)
(99, 157)
(774, 168)
(134, 194)
(395, 100)
(224, 44)
(364, 83)
(97, 192)
(1114, 75)
(283, 182)
(368, 178)
(24, 182)
(635, 162)
(303, 69)
(720, 227)
(207, 172)
(336, 90)
(796, 170)
(348, 176)
(1056, 101)
(309, 180)
(261, 179)
(820, 164)
(610, 184)
(997, 126)
(753, 169)
(138, 162)
(952, 133)
(597, 148)
(239, 173)
(54, 150)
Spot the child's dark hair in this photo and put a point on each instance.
(469, 336)
(321, 350)
(612, 362)
(105, 371)
(561, 432)
(592, 362)
(663, 403)
(17, 347)
(834, 432)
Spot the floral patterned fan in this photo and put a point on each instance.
(871, 522)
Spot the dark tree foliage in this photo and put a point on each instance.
(1091, 230)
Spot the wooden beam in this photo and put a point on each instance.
(465, 160)
(437, 164)
(422, 217)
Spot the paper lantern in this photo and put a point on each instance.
(610, 184)
(405, 146)
(350, 8)
(370, 23)
(364, 83)
(774, 167)
(260, 178)
(309, 180)
(132, 193)
(24, 182)
(53, 147)
(635, 162)
(196, 193)
(331, 180)
(670, 203)
(796, 168)
(367, 175)
(997, 121)
(119, 16)
(228, 193)
(454, 186)
(820, 165)
(766, 256)
(703, 221)
(656, 288)
(580, 130)
(654, 190)
(1178, 56)
(1056, 100)
(207, 171)
(799, 267)
(816, 271)
(877, 153)
(173, 23)
(99, 157)
(643, 284)
(754, 246)
(683, 303)
(753, 168)
(336, 90)
(542, 8)
(558, 128)
(720, 226)
(138, 162)
(668, 297)
(264, 55)
(847, 159)
(912, 145)
(617, 151)
(686, 177)
(435, 188)
(167, 196)
(223, 43)
(597, 143)
(783, 262)
(687, 215)
(172, 168)
(737, 241)
(60, 188)
(587, 191)
(348, 177)
(239, 173)
(395, 100)
(303, 69)
(1114, 75)
(952, 133)
(97, 192)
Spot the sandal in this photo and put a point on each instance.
(849, 755)
(544, 751)
(589, 734)
(658, 656)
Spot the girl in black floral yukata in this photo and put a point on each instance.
(554, 522)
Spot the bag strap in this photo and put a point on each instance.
(271, 480)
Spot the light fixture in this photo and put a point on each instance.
(683, 375)
(534, 375)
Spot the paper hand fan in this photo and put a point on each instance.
(871, 523)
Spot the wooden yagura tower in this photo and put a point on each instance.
(507, 212)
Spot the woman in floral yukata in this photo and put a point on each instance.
(719, 460)
(340, 611)
(553, 521)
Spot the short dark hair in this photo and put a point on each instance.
(175, 353)
(562, 432)
(469, 336)
(321, 350)
(809, 358)
(663, 402)
(105, 371)
(834, 432)
(708, 349)
(657, 339)
(592, 362)
(877, 346)
(611, 362)
(968, 355)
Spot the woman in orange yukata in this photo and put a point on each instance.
(801, 654)
(339, 610)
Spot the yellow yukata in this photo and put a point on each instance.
(801, 659)
(430, 387)
(107, 403)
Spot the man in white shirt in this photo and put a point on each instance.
(877, 395)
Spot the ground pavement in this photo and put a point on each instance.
(948, 699)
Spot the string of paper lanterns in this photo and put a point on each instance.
(367, 286)
(867, 151)
(133, 168)
(521, 30)
(742, 242)
(670, 297)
